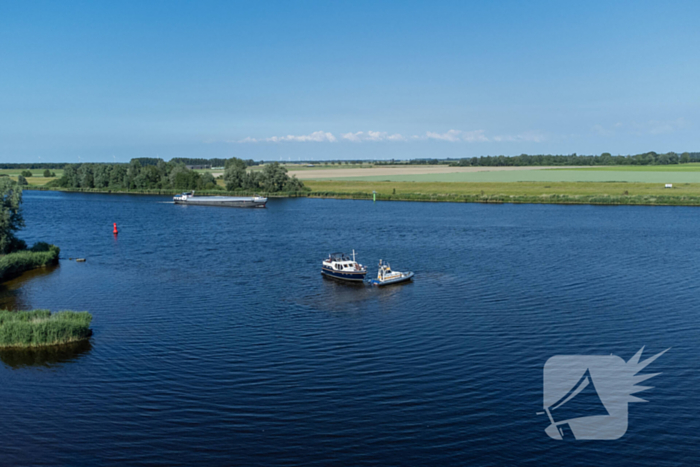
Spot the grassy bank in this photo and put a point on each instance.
(40, 255)
(40, 327)
(686, 194)
(513, 192)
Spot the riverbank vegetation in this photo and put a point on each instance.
(41, 328)
(687, 194)
(15, 258)
(173, 175)
(38, 256)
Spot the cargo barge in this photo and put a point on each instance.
(225, 201)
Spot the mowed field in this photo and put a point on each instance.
(35, 179)
(685, 173)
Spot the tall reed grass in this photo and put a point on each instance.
(40, 255)
(41, 327)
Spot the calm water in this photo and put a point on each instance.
(218, 342)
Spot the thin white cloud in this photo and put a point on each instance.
(315, 137)
(651, 127)
(452, 136)
(525, 137)
(607, 130)
(660, 128)
(455, 136)
(361, 136)
(477, 136)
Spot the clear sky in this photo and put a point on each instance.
(104, 81)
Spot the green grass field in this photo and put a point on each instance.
(694, 167)
(36, 179)
(558, 175)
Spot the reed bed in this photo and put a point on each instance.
(37, 328)
(40, 255)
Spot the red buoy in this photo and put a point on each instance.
(115, 229)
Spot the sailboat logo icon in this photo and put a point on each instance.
(586, 396)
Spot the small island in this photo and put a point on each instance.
(41, 327)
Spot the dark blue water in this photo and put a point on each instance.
(218, 342)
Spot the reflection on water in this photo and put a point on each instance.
(341, 296)
(45, 356)
(15, 292)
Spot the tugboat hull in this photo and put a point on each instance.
(406, 277)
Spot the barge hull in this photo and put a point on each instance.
(231, 203)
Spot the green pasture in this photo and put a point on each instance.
(693, 167)
(538, 175)
(36, 178)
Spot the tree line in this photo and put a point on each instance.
(272, 178)
(174, 175)
(647, 158)
(30, 166)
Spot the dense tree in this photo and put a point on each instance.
(176, 170)
(174, 175)
(185, 180)
(207, 181)
(274, 177)
(47, 173)
(234, 173)
(253, 181)
(11, 219)
(293, 184)
(27, 173)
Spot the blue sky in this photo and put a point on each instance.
(104, 81)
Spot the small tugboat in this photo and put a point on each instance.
(228, 201)
(386, 276)
(340, 266)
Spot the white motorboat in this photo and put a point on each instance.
(387, 276)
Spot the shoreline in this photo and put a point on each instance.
(565, 199)
(13, 265)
